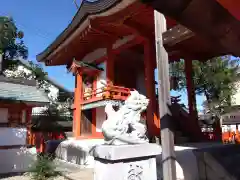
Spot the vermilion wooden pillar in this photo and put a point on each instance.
(77, 104)
(153, 121)
(30, 138)
(110, 65)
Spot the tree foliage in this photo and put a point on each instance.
(36, 72)
(11, 43)
(215, 79)
(12, 49)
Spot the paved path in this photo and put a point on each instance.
(74, 172)
(85, 174)
(69, 171)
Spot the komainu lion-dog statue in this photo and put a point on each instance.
(124, 126)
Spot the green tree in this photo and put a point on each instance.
(11, 43)
(44, 169)
(215, 79)
(12, 48)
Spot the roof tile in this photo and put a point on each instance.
(22, 92)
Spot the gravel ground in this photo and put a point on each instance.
(23, 177)
(81, 175)
(69, 171)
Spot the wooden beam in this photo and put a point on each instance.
(139, 29)
(176, 35)
(100, 31)
(128, 45)
(171, 37)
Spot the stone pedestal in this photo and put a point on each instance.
(126, 162)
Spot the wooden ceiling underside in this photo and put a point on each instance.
(213, 35)
(207, 18)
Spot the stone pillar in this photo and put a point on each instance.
(126, 162)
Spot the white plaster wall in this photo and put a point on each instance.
(100, 117)
(12, 136)
(16, 160)
(37, 110)
(101, 80)
(141, 83)
(77, 151)
(224, 128)
(236, 96)
(231, 128)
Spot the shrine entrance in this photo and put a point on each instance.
(129, 69)
(86, 122)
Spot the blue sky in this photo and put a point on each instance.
(42, 21)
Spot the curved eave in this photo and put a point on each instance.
(87, 8)
(85, 68)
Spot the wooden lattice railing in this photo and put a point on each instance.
(106, 92)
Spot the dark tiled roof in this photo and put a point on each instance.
(17, 90)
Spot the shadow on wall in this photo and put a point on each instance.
(186, 165)
(69, 153)
(76, 155)
(219, 162)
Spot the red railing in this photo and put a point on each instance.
(107, 92)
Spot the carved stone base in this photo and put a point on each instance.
(126, 162)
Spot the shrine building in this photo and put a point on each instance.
(110, 48)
